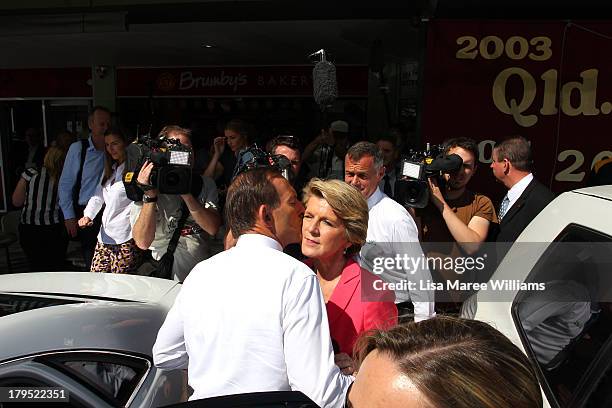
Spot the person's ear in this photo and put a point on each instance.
(507, 166)
(265, 215)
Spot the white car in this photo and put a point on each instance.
(558, 304)
(90, 334)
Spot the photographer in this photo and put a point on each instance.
(156, 217)
(325, 154)
(456, 219)
(466, 216)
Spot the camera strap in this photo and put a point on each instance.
(177, 231)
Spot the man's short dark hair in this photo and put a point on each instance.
(166, 130)
(362, 149)
(387, 138)
(99, 108)
(248, 191)
(239, 126)
(465, 143)
(517, 150)
(290, 141)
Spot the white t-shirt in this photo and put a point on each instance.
(252, 319)
(190, 249)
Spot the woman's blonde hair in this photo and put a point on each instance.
(457, 363)
(54, 162)
(347, 203)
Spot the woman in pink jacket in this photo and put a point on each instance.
(334, 229)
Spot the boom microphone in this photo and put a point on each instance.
(324, 85)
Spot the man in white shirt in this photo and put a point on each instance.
(262, 326)
(391, 231)
(526, 197)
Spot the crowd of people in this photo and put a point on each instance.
(294, 294)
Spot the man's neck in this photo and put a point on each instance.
(454, 194)
(98, 142)
(263, 230)
(515, 177)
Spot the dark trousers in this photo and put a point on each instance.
(44, 246)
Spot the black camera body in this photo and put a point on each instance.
(412, 188)
(253, 157)
(172, 163)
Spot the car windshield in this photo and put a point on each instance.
(11, 303)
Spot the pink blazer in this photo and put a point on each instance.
(349, 316)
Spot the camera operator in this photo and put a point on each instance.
(290, 147)
(325, 154)
(155, 218)
(456, 219)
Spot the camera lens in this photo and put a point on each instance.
(172, 178)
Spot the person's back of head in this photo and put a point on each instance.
(54, 162)
(517, 150)
(247, 193)
(446, 362)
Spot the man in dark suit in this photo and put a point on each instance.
(526, 197)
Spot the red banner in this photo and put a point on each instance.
(46, 83)
(235, 81)
(548, 81)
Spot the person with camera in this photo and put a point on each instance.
(456, 220)
(115, 251)
(325, 154)
(156, 218)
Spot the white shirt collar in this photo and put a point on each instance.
(516, 190)
(258, 240)
(375, 198)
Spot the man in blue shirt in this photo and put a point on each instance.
(92, 168)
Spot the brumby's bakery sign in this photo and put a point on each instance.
(234, 81)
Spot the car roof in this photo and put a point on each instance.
(46, 312)
(90, 285)
(604, 192)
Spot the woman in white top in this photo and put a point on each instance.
(115, 251)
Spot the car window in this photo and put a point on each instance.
(114, 377)
(11, 303)
(566, 327)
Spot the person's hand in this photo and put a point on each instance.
(325, 138)
(85, 222)
(219, 145)
(71, 227)
(435, 194)
(144, 178)
(345, 363)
